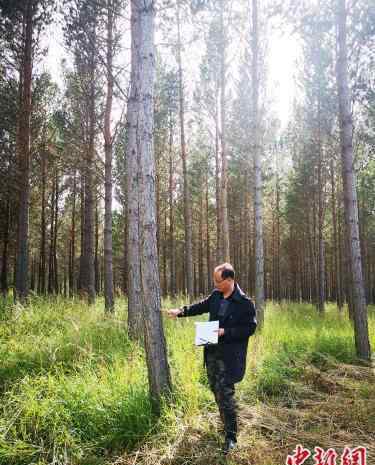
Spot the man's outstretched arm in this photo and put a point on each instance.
(190, 310)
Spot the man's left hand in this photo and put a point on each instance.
(220, 331)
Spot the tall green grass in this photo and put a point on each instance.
(296, 335)
(74, 389)
(73, 384)
(53, 334)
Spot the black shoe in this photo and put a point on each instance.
(230, 444)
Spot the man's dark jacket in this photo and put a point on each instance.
(239, 324)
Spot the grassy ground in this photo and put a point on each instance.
(74, 390)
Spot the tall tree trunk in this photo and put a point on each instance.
(97, 258)
(125, 259)
(208, 249)
(82, 215)
(321, 255)
(274, 255)
(315, 249)
(89, 258)
(224, 229)
(172, 247)
(72, 253)
(142, 89)
(361, 334)
(187, 200)
(65, 276)
(312, 265)
(158, 202)
(163, 250)
(109, 303)
(42, 256)
(278, 240)
(4, 261)
(33, 273)
(88, 284)
(165, 236)
(200, 247)
(336, 245)
(258, 208)
(22, 251)
(55, 230)
(132, 178)
(51, 261)
(217, 178)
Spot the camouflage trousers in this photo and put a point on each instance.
(223, 392)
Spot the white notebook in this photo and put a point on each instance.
(205, 332)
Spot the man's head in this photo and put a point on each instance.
(224, 277)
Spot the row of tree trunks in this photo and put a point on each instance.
(300, 284)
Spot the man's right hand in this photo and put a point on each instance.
(173, 312)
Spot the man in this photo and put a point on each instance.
(226, 361)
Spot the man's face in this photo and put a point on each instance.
(223, 285)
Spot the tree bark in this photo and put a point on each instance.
(208, 241)
(200, 246)
(125, 259)
(321, 254)
(42, 256)
(22, 252)
(51, 261)
(132, 196)
(165, 253)
(224, 229)
(217, 176)
(258, 200)
(4, 261)
(82, 245)
(55, 230)
(72, 252)
(361, 334)
(142, 88)
(88, 284)
(187, 199)
(336, 284)
(97, 257)
(172, 251)
(109, 303)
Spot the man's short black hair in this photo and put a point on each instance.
(227, 273)
(226, 270)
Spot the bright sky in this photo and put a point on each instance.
(283, 51)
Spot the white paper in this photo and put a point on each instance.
(205, 332)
